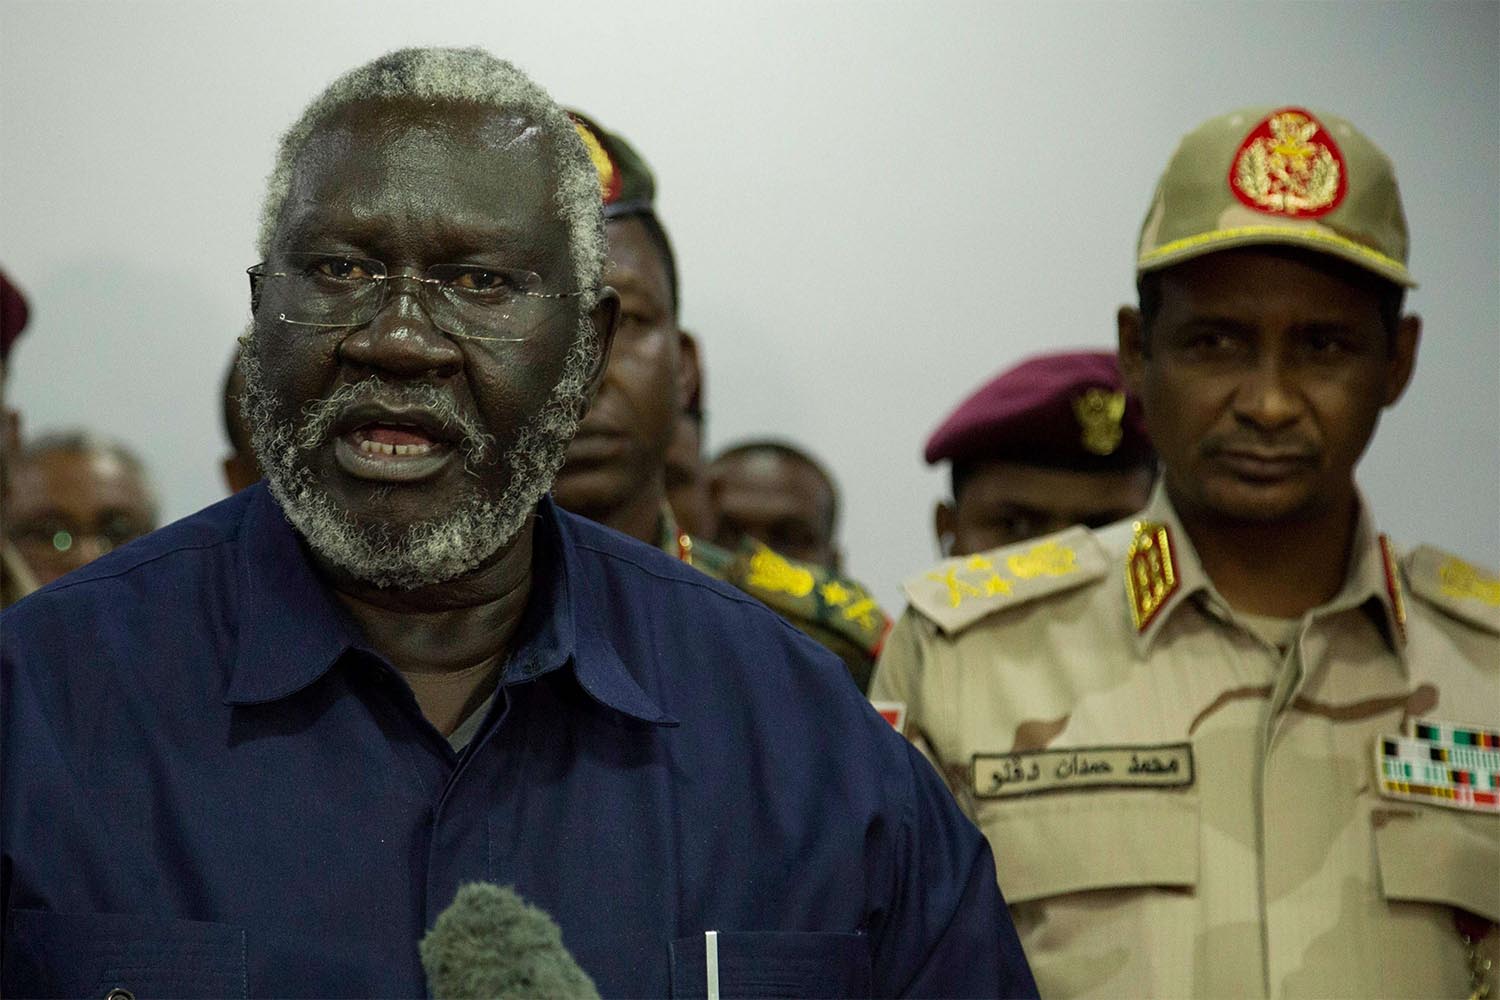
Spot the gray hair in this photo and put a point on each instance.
(466, 76)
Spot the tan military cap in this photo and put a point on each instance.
(1284, 176)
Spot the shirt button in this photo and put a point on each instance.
(119, 993)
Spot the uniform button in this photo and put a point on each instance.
(119, 993)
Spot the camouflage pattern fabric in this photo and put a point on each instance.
(16, 580)
(1180, 808)
(834, 610)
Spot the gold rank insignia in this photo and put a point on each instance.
(1150, 572)
(772, 572)
(1462, 590)
(1099, 413)
(960, 591)
(1465, 580)
(1289, 165)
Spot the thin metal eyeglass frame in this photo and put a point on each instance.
(258, 272)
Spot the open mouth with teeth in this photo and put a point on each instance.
(390, 451)
(392, 441)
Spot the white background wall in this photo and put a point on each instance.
(877, 205)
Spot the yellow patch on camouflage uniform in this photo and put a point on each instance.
(769, 571)
(834, 610)
(1151, 576)
(1458, 588)
(961, 591)
(1100, 413)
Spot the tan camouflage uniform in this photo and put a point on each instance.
(1184, 809)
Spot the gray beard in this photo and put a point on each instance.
(430, 551)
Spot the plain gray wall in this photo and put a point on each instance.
(876, 205)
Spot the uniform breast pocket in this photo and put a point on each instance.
(1431, 855)
(102, 954)
(774, 964)
(1100, 883)
(1055, 844)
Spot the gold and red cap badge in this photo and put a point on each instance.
(1278, 176)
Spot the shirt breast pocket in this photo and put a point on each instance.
(774, 964)
(94, 954)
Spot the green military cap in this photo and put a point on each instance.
(625, 181)
(1279, 176)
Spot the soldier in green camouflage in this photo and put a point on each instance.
(615, 471)
(1239, 744)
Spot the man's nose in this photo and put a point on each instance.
(402, 338)
(1268, 395)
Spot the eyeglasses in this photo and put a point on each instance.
(324, 291)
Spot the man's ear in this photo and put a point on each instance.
(606, 320)
(945, 525)
(689, 371)
(1403, 359)
(1132, 348)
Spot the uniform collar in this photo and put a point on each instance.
(292, 630)
(1372, 579)
(1161, 570)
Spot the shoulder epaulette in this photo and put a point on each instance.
(1458, 588)
(958, 592)
(835, 610)
(812, 595)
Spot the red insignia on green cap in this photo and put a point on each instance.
(1289, 165)
(609, 174)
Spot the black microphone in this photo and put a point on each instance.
(490, 943)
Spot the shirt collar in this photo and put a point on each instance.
(580, 619)
(292, 630)
(1372, 579)
(1373, 582)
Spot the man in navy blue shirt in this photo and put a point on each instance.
(257, 752)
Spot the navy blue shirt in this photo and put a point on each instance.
(212, 785)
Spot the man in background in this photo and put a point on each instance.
(1239, 744)
(1054, 441)
(779, 495)
(16, 579)
(615, 471)
(75, 496)
(687, 484)
(240, 466)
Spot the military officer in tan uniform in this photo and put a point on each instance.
(1241, 744)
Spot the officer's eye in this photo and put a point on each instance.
(1211, 342)
(1326, 344)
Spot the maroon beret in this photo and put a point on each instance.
(12, 315)
(1058, 410)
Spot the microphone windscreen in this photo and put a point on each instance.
(489, 943)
